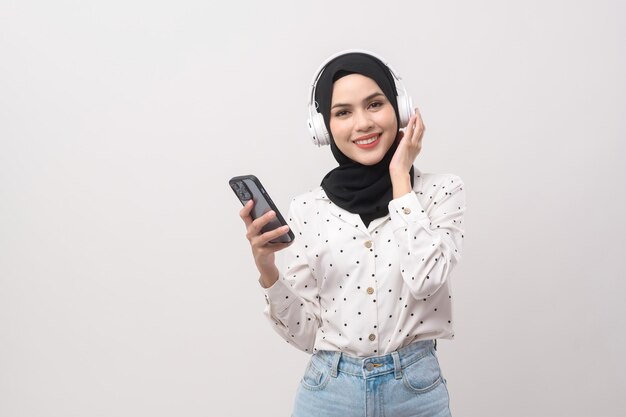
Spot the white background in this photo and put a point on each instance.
(127, 286)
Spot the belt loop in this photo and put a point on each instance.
(397, 367)
(335, 365)
(435, 344)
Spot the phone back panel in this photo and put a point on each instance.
(263, 204)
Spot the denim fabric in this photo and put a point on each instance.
(405, 383)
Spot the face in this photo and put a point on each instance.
(362, 119)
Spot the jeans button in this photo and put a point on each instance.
(369, 366)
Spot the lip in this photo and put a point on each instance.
(366, 137)
(369, 145)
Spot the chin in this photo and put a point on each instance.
(370, 161)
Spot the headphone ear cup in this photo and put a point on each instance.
(317, 129)
(405, 109)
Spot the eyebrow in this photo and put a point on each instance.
(371, 96)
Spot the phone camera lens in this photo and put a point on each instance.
(239, 190)
(242, 191)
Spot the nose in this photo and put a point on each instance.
(363, 121)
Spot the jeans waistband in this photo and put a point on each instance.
(374, 365)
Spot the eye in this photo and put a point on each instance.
(340, 113)
(376, 104)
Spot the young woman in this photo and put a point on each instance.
(366, 286)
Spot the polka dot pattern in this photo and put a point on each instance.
(370, 290)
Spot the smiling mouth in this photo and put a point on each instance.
(373, 138)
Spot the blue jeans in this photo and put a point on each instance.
(404, 383)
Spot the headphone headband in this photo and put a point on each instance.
(321, 68)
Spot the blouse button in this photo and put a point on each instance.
(372, 337)
(368, 244)
(407, 210)
(370, 290)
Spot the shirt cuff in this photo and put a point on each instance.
(406, 209)
(279, 295)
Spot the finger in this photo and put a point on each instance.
(419, 120)
(415, 122)
(409, 126)
(275, 247)
(279, 246)
(257, 224)
(419, 126)
(272, 234)
(410, 133)
(244, 213)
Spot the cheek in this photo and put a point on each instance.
(387, 119)
(338, 129)
(392, 122)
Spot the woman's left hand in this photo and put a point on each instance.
(409, 147)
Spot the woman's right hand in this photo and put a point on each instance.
(262, 249)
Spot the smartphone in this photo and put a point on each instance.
(248, 187)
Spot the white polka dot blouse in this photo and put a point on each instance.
(368, 291)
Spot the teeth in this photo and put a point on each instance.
(366, 141)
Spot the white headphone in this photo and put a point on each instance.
(317, 127)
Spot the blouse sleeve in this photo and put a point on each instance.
(429, 240)
(292, 302)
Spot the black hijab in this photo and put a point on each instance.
(357, 188)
